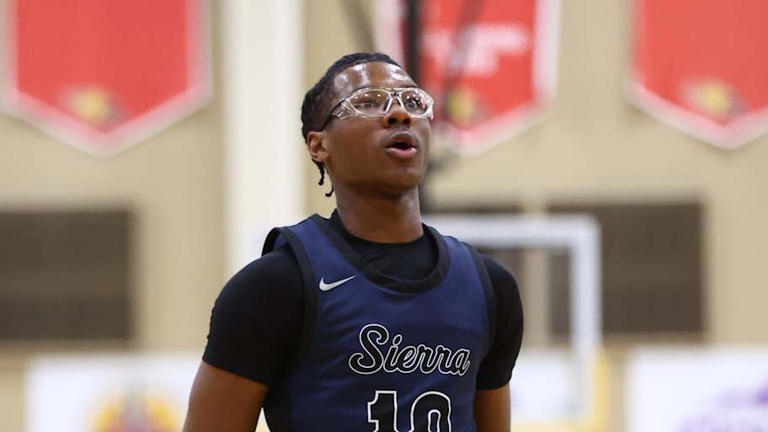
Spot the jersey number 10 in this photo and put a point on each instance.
(430, 409)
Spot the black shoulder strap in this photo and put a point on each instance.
(490, 295)
(270, 243)
(275, 239)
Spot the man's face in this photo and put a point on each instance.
(386, 154)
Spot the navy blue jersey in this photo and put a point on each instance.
(380, 354)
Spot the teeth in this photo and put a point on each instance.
(402, 145)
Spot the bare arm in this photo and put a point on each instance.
(492, 410)
(223, 402)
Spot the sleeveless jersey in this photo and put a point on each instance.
(380, 354)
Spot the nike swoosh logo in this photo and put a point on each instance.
(327, 287)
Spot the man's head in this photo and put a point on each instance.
(385, 151)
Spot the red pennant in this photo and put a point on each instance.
(103, 74)
(702, 66)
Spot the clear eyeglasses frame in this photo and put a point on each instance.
(377, 101)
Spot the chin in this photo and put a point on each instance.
(403, 182)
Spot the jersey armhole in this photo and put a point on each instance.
(490, 295)
(275, 239)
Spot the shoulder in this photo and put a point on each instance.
(256, 321)
(274, 276)
(506, 295)
(277, 263)
(501, 278)
(505, 289)
(496, 369)
(503, 282)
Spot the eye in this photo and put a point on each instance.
(415, 102)
(369, 101)
(365, 104)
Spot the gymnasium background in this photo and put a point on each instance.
(120, 256)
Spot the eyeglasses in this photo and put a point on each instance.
(376, 102)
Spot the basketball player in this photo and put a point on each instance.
(369, 320)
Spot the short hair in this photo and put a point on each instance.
(314, 109)
(317, 100)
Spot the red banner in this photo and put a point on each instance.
(702, 66)
(103, 74)
(490, 65)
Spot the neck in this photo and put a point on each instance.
(392, 219)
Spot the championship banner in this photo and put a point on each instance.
(697, 390)
(104, 74)
(489, 64)
(702, 66)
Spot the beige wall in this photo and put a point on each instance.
(173, 183)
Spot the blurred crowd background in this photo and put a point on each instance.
(113, 254)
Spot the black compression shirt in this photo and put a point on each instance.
(256, 321)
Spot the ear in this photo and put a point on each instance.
(317, 146)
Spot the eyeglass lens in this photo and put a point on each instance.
(376, 101)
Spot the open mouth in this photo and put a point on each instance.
(401, 145)
(402, 141)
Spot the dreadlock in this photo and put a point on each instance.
(317, 100)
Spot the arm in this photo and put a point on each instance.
(222, 401)
(492, 410)
(254, 333)
(492, 400)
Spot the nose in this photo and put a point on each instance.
(396, 115)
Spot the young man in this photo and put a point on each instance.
(369, 320)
